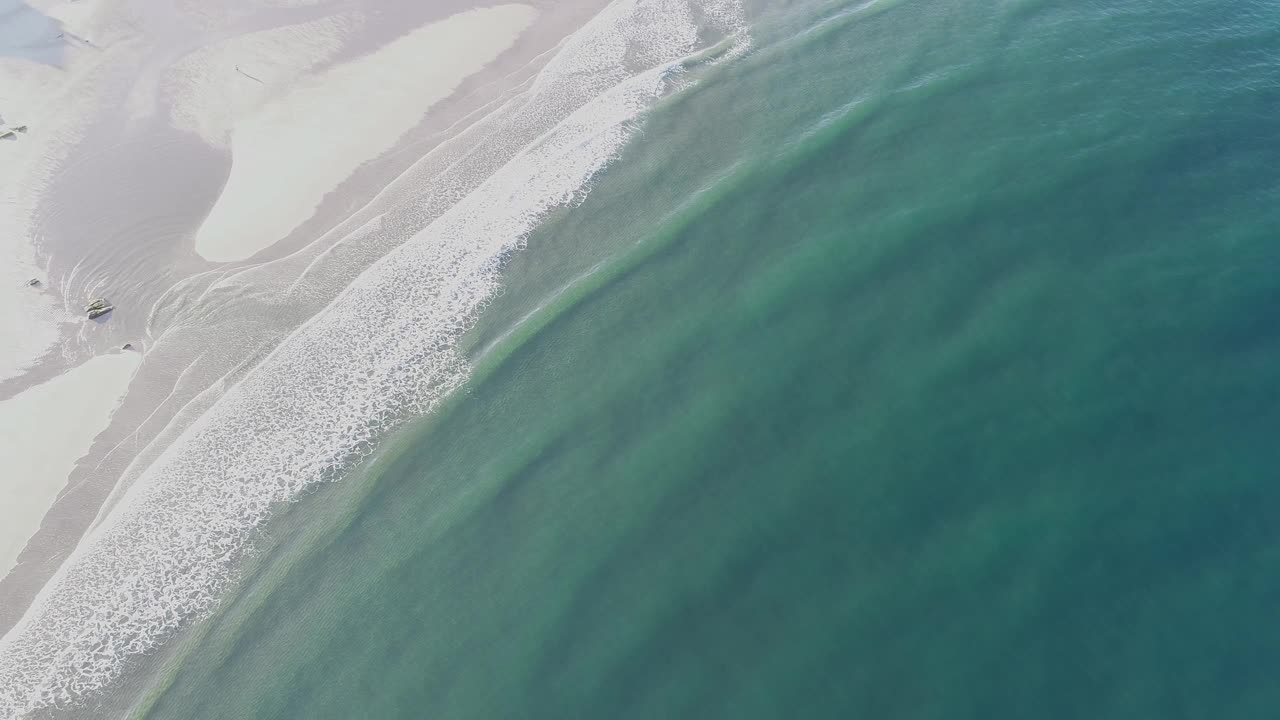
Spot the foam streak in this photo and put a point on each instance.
(385, 349)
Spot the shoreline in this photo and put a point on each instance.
(269, 377)
(181, 378)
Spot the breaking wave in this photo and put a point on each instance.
(383, 350)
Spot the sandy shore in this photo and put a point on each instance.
(164, 137)
(32, 87)
(271, 376)
(291, 152)
(46, 429)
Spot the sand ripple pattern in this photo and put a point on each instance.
(384, 349)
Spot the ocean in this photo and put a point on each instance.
(919, 361)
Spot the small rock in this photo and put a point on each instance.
(33, 282)
(127, 346)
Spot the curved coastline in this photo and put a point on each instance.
(104, 214)
(384, 349)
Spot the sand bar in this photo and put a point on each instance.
(46, 429)
(296, 148)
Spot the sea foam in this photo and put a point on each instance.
(383, 350)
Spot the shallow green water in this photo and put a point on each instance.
(925, 363)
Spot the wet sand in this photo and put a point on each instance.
(119, 174)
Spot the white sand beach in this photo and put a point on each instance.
(300, 140)
(46, 429)
(291, 151)
(163, 138)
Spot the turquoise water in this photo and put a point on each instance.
(923, 363)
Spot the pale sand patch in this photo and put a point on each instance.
(44, 430)
(291, 152)
(212, 88)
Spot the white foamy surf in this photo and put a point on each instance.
(385, 349)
